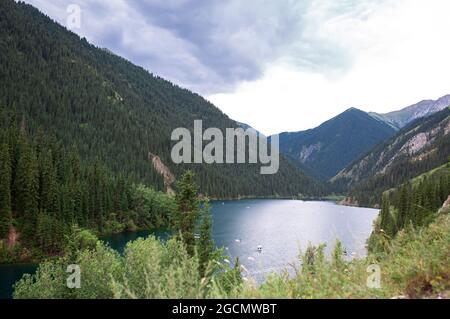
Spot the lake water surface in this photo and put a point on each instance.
(281, 227)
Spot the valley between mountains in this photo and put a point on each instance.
(85, 153)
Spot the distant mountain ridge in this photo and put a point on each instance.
(401, 118)
(419, 147)
(327, 149)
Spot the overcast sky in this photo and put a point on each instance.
(280, 65)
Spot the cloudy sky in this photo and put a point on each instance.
(280, 65)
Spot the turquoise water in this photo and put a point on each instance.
(281, 227)
(9, 274)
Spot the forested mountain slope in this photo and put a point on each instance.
(418, 148)
(327, 149)
(112, 110)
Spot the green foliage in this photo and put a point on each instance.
(154, 270)
(228, 282)
(151, 208)
(312, 257)
(114, 112)
(48, 282)
(411, 205)
(148, 269)
(77, 240)
(205, 244)
(49, 233)
(388, 223)
(25, 186)
(188, 209)
(53, 190)
(5, 191)
(338, 256)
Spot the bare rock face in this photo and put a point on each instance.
(307, 151)
(164, 171)
(13, 237)
(446, 207)
(416, 144)
(447, 128)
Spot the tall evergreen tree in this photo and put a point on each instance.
(26, 187)
(205, 244)
(403, 205)
(48, 189)
(187, 209)
(5, 190)
(386, 223)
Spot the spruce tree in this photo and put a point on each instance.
(187, 209)
(385, 211)
(26, 187)
(205, 244)
(5, 191)
(403, 207)
(48, 188)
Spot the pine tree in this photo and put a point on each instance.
(48, 188)
(403, 207)
(187, 209)
(205, 244)
(5, 191)
(26, 187)
(44, 232)
(384, 212)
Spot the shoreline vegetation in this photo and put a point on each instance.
(413, 265)
(413, 261)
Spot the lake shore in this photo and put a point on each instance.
(279, 226)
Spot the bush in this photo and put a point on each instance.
(149, 269)
(416, 264)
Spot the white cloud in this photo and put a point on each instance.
(398, 54)
(280, 65)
